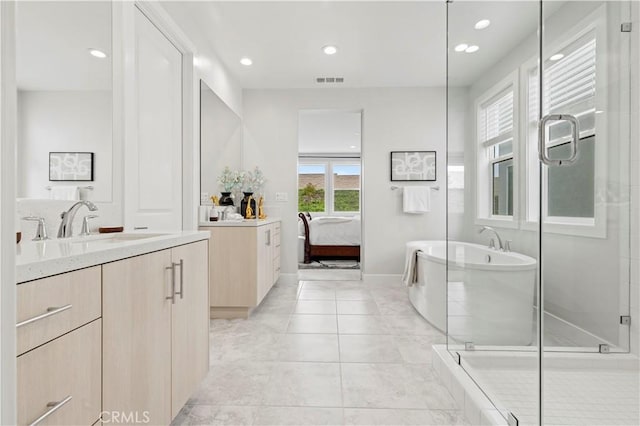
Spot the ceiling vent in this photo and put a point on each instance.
(330, 80)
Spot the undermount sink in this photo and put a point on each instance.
(106, 238)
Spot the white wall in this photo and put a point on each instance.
(585, 278)
(66, 121)
(393, 119)
(207, 63)
(8, 405)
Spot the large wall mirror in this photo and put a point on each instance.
(64, 79)
(220, 141)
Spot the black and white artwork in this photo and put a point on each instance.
(71, 166)
(413, 165)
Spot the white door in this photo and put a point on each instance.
(153, 180)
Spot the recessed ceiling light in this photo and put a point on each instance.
(97, 53)
(353, 147)
(246, 61)
(557, 57)
(461, 47)
(330, 50)
(472, 49)
(482, 24)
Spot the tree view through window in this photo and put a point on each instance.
(318, 180)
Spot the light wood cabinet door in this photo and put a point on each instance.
(265, 262)
(276, 252)
(66, 372)
(190, 322)
(136, 317)
(233, 266)
(63, 302)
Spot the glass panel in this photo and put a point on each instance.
(503, 188)
(490, 316)
(311, 187)
(591, 196)
(585, 232)
(346, 187)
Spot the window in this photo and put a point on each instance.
(496, 132)
(570, 88)
(311, 187)
(329, 186)
(346, 187)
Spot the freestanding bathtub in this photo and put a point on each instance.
(489, 296)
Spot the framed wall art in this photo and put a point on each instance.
(413, 165)
(71, 166)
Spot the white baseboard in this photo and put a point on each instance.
(373, 279)
(382, 279)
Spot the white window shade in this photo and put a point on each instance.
(569, 87)
(570, 83)
(496, 119)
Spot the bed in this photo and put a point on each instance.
(330, 237)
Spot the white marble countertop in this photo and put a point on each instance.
(39, 259)
(245, 222)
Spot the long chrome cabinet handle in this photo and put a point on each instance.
(181, 265)
(50, 311)
(55, 406)
(542, 142)
(172, 268)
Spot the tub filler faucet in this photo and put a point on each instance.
(65, 230)
(501, 246)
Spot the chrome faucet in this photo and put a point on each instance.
(490, 229)
(66, 226)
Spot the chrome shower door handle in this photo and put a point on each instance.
(543, 153)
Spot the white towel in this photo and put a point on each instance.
(416, 199)
(410, 274)
(71, 193)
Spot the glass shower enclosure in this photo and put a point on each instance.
(539, 242)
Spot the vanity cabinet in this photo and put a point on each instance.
(155, 324)
(59, 349)
(244, 264)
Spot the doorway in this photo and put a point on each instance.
(329, 194)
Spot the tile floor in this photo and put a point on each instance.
(324, 353)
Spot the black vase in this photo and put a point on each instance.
(225, 199)
(244, 202)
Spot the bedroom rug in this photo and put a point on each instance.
(330, 264)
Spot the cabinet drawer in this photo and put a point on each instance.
(69, 366)
(50, 307)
